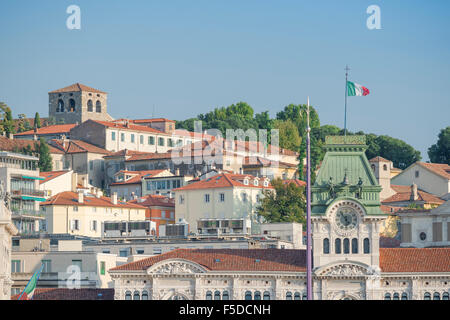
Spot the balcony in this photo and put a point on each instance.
(23, 212)
(21, 192)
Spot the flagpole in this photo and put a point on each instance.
(346, 92)
(308, 211)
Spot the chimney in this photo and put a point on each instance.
(80, 196)
(99, 193)
(84, 182)
(177, 171)
(114, 198)
(414, 195)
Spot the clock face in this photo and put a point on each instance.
(346, 218)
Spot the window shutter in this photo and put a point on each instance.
(406, 232)
(437, 231)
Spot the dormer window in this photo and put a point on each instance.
(266, 183)
(255, 183)
(246, 181)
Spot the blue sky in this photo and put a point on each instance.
(182, 58)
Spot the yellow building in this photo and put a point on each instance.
(82, 213)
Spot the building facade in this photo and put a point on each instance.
(7, 230)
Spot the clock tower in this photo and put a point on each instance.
(346, 215)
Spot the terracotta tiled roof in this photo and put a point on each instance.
(415, 259)
(379, 159)
(149, 156)
(71, 198)
(224, 180)
(441, 169)
(69, 294)
(154, 201)
(7, 144)
(404, 194)
(286, 260)
(297, 182)
(125, 153)
(152, 120)
(53, 129)
(137, 176)
(77, 146)
(50, 175)
(131, 127)
(75, 88)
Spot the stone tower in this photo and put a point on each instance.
(382, 169)
(77, 103)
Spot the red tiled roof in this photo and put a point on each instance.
(149, 156)
(137, 176)
(53, 129)
(415, 259)
(286, 260)
(152, 120)
(77, 146)
(75, 88)
(71, 198)
(224, 180)
(7, 144)
(441, 169)
(388, 209)
(297, 182)
(125, 153)
(404, 194)
(154, 201)
(50, 175)
(69, 294)
(379, 159)
(131, 127)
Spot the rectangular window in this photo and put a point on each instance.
(15, 266)
(157, 250)
(437, 231)
(113, 136)
(169, 142)
(222, 197)
(102, 268)
(91, 164)
(47, 266)
(106, 251)
(151, 140)
(406, 232)
(141, 139)
(161, 142)
(181, 199)
(207, 198)
(132, 138)
(163, 214)
(77, 263)
(75, 209)
(122, 137)
(140, 251)
(123, 253)
(94, 225)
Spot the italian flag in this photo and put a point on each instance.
(28, 292)
(354, 89)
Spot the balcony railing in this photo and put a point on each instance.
(28, 192)
(22, 212)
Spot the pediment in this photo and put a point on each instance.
(346, 269)
(176, 266)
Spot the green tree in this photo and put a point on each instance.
(7, 124)
(289, 137)
(440, 152)
(37, 120)
(45, 159)
(286, 204)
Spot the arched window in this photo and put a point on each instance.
(305, 296)
(90, 105)
(266, 295)
(257, 295)
(354, 245)
(208, 295)
(98, 106)
(373, 167)
(288, 295)
(436, 296)
(297, 296)
(60, 107)
(326, 246)
(136, 295)
(144, 295)
(127, 295)
(366, 245)
(225, 295)
(445, 296)
(248, 295)
(346, 245)
(396, 296)
(404, 296)
(71, 105)
(217, 295)
(387, 296)
(427, 296)
(384, 167)
(337, 245)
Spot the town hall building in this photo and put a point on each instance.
(348, 263)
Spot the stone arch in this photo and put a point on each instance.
(176, 266)
(345, 268)
(60, 106)
(98, 106)
(90, 106)
(175, 295)
(71, 105)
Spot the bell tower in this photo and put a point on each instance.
(346, 214)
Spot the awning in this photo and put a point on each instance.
(33, 198)
(33, 178)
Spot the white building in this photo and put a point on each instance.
(430, 177)
(7, 230)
